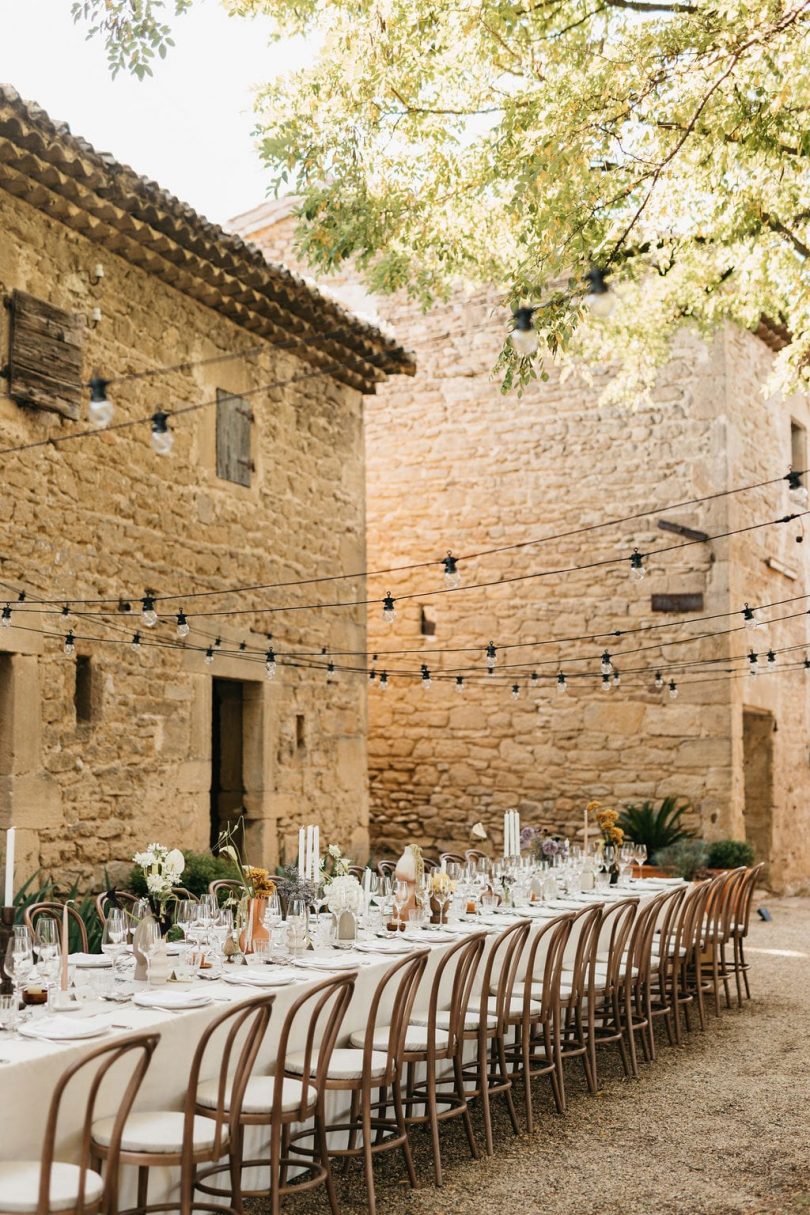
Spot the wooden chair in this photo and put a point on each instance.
(294, 1093)
(475, 854)
(635, 978)
(430, 863)
(458, 857)
(47, 1185)
(229, 885)
(114, 898)
(739, 930)
(377, 1065)
(606, 1026)
(660, 994)
(386, 868)
(721, 916)
(54, 911)
(440, 1040)
(183, 1139)
(357, 871)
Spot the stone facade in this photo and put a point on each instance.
(97, 760)
(453, 464)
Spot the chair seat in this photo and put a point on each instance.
(416, 1038)
(155, 1131)
(471, 1021)
(566, 991)
(345, 1064)
(19, 1186)
(656, 948)
(259, 1094)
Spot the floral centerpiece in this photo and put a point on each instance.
(162, 869)
(441, 888)
(612, 836)
(345, 899)
(333, 864)
(257, 886)
(542, 845)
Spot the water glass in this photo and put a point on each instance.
(325, 932)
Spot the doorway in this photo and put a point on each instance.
(227, 755)
(758, 728)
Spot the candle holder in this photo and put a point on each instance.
(6, 932)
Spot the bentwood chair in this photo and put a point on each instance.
(721, 915)
(47, 1185)
(440, 1041)
(386, 868)
(377, 1065)
(54, 911)
(182, 1139)
(357, 871)
(536, 1020)
(292, 1094)
(114, 898)
(635, 981)
(739, 930)
(658, 995)
(487, 1024)
(458, 857)
(605, 1024)
(476, 855)
(230, 887)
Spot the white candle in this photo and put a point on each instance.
(316, 852)
(585, 834)
(506, 830)
(308, 858)
(63, 978)
(517, 834)
(301, 851)
(9, 899)
(367, 881)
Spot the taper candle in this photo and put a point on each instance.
(301, 851)
(63, 977)
(9, 896)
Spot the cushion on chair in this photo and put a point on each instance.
(345, 1064)
(258, 1095)
(155, 1131)
(416, 1038)
(471, 1021)
(537, 990)
(19, 1186)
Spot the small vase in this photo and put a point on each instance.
(614, 874)
(345, 929)
(141, 965)
(438, 912)
(254, 931)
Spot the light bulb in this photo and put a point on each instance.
(606, 684)
(100, 410)
(389, 611)
(70, 647)
(384, 682)
(797, 490)
(208, 657)
(491, 655)
(617, 679)
(673, 690)
(562, 684)
(771, 658)
(524, 335)
(135, 644)
(330, 669)
(807, 666)
(750, 618)
(452, 578)
(5, 617)
(372, 675)
(162, 437)
(426, 680)
(659, 681)
(753, 661)
(460, 683)
(148, 614)
(270, 663)
(637, 570)
(600, 299)
(183, 629)
(65, 613)
(606, 664)
(534, 679)
(515, 691)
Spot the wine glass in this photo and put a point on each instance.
(272, 912)
(149, 941)
(113, 938)
(49, 953)
(401, 893)
(19, 963)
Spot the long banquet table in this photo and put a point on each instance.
(29, 1067)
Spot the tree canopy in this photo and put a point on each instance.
(521, 143)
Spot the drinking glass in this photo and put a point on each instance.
(19, 961)
(602, 881)
(400, 895)
(272, 912)
(325, 932)
(149, 942)
(641, 854)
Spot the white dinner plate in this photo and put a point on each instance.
(59, 1029)
(171, 1000)
(269, 977)
(338, 962)
(384, 946)
(427, 935)
(89, 961)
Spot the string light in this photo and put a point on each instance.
(562, 684)
(209, 656)
(65, 613)
(389, 610)
(673, 690)
(136, 643)
(491, 657)
(384, 682)
(797, 490)
(70, 647)
(524, 335)
(753, 664)
(534, 679)
(460, 684)
(606, 684)
(807, 666)
(372, 675)
(426, 680)
(599, 298)
(5, 617)
(617, 679)
(148, 613)
(637, 570)
(606, 664)
(659, 681)
(270, 663)
(330, 669)
(452, 578)
(162, 437)
(771, 658)
(183, 629)
(515, 691)
(750, 618)
(100, 410)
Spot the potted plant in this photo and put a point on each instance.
(657, 827)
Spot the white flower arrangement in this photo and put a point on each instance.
(333, 865)
(162, 868)
(345, 894)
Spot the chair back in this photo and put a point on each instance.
(746, 899)
(544, 964)
(231, 885)
(669, 918)
(453, 977)
(317, 1016)
(458, 857)
(476, 855)
(616, 926)
(397, 987)
(386, 868)
(585, 930)
(114, 898)
(430, 863)
(721, 906)
(500, 973)
(357, 871)
(638, 957)
(54, 911)
(134, 1052)
(688, 938)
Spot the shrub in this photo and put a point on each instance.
(730, 854)
(656, 827)
(201, 869)
(685, 858)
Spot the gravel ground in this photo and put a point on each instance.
(719, 1125)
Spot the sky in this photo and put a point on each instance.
(189, 127)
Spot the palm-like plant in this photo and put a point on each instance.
(656, 826)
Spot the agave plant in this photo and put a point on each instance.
(657, 827)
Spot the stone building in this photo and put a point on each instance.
(105, 749)
(454, 465)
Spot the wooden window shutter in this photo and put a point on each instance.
(45, 356)
(234, 418)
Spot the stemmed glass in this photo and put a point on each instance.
(49, 954)
(272, 912)
(113, 938)
(641, 856)
(401, 892)
(149, 942)
(19, 963)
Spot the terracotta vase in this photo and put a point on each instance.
(254, 931)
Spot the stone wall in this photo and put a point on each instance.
(453, 464)
(106, 516)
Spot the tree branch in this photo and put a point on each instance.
(798, 244)
(641, 6)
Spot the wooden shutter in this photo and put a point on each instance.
(234, 418)
(45, 356)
